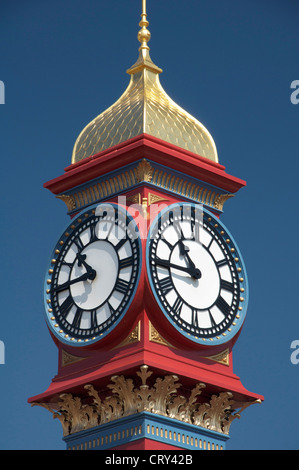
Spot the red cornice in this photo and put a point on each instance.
(144, 146)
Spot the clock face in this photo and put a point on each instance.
(196, 273)
(93, 274)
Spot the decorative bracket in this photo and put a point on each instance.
(162, 398)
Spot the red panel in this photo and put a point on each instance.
(97, 366)
(179, 356)
(154, 149)
(146, 444)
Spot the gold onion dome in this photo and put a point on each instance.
(144, 108)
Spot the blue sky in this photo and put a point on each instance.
(231, 65)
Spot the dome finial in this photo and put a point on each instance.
(144, 61)
(144, 35)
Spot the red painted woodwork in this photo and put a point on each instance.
(146, 444)
(145, 146)
(192, 363)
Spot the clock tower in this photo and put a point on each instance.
(146, 290)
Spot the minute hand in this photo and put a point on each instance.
(64, 286)
(187, 269)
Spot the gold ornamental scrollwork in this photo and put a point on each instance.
(162, 398)
(144, 171)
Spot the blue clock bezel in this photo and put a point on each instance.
(233, 330)
(71, 341)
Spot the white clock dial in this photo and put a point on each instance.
(94, 274)
(196, 273)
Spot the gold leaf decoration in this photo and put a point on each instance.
(144, 171)
(163, 398)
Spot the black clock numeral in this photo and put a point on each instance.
(170, 246)
(221, 263)
(69, 265)
(109, 230)
(213, 323)
(194, 317)
(210, 244)
(165, 285)
(126, 262)
(93, 319)
(223, 305)
(176, 225)
(177, 306)
(195, 231)
(79, 244)
(66, 306)
(193, 220)
(122, 286)
(93, 236)
(111, 309)
(77, 318)
(120, 243)
(226, 285)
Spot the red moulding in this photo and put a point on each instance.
(151, 148)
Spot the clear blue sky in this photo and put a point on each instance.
(229, 63)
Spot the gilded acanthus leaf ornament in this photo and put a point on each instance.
(184, 409)
(144, 171)
(163, 398)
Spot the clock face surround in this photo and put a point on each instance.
(93, 274)
(197, 274)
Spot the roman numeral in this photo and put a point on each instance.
(176, 225)
(213, 323)
(112, 225)
(120, 243)
(77, 319)
(165, 285)
(226, 285)
(93, 319)
(210, 244)
(177, 306)
(66, 306)
(69, 265)
(223, 305)
(125, 262)
(79, 244)
(221, 263)
(194, 317)
(122, 286)
(170, 246)
(112, 311)
(192, 222)
(195, 231)
(93, 236)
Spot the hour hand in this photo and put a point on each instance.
(184, 251)
(81, 260)
(183, 248)
(187, 269)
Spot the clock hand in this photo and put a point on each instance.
(184, 250)
(90, 275)
(188, 269)
(81, 260)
